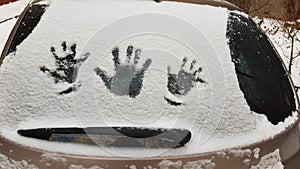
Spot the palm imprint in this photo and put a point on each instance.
(66, 67)
(181, 83)
(128, 78)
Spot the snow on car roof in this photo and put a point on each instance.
(124, 57)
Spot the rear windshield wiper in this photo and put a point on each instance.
(113, 136)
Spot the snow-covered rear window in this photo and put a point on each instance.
(260, 72)
(132, 63)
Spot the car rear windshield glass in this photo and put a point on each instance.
(260, 72)
(29, 22)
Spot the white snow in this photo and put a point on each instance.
(8, 163)
(167, 32)
(221, 154)
(49, 158)
(270, 161)
(200, 164)
(256, 152)
(166, 164)
(240, 153)
(247, 161)
(132, 167)
(81, 167)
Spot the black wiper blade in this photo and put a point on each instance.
(113, 136)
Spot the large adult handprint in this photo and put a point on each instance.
(181, 83)
(128, 79)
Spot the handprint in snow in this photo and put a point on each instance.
(181, 83)
(128, 78)
(66, 67)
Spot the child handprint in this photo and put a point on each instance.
(181, 83)
(66, 67)
(128, 79)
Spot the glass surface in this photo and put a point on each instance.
(260, 72)
(29, 22)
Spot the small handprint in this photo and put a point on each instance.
(66, 67)
(128, 79)
(183, 82)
